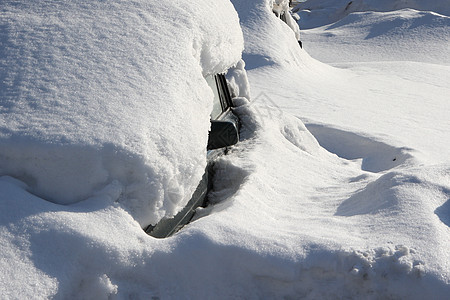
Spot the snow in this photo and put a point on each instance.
(281, 7)
(383, 37)
(91, 96)
(316, 13)
(373, 205)
(339, 187)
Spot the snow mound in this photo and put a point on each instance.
(369, 217)
(316, 13)
(385, 272)
(399, 35)
(90, 95)
(281, 9)
(304, 218)
(272, 41)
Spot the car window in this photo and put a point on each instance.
(223, 91)
(217, 106)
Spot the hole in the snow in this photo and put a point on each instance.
(376, 156)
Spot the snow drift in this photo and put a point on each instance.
(383, 36)
(315, 13)
(281, 9)
(272, 42)
(367, 217)
(96, 93)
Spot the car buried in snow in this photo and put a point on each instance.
(114, 100)
(282, 9)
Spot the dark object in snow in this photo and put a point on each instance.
(224, 126)
(348, 5)
(222, 134)
(300, 43)
(167, 227)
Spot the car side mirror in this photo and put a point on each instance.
(222, 134)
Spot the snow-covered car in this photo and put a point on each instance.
(281, 8)
(112, 100)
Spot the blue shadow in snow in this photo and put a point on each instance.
(443, 212)
(253, 61)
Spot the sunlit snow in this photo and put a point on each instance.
(338, 189)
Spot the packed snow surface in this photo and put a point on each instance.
(339, 188)
(91, 97)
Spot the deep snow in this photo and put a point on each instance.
(91, 96)
(403, 35)
(386, 121)
(316, 13)
(339, 188)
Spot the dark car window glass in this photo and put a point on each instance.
(223, 91)
(217, 106)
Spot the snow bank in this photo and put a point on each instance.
(281, 9)
(398, 35)
(94, 94)
(368, 217)
(315, 13)
(272, 41)
(312, 225)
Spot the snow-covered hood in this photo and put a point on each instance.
(109, 97)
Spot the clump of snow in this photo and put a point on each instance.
(238, 81)
(91, 94)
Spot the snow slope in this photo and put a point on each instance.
(91, 97)
(375, 36)
(339, 188)
(383, 197)
(316, 13)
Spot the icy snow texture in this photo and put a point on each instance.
(94, 93)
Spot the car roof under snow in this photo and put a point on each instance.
(108, 97)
